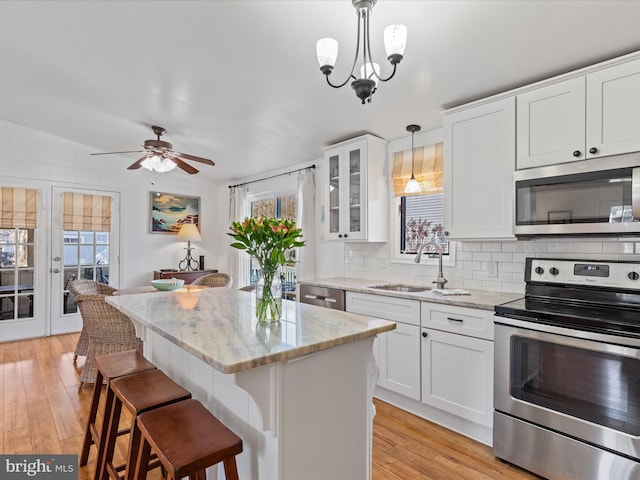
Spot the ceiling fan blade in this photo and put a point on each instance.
(195, 159)
(183, 165)
(137, 164)
(114, 153)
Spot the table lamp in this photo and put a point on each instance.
(189, 232)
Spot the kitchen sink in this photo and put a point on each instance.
(399, 287)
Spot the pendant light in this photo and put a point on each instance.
(412, 185)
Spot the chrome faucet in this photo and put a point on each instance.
(440, 281)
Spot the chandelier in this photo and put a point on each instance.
(395, 39)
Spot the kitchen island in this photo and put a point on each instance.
(298, 392)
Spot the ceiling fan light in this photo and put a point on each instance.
(395, 41)
(327, 52)
(166, 165)
(151, 163)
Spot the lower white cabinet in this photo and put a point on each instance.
(398, 351)
(457, 375)
(399, 360)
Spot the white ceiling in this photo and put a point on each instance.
(238, 81)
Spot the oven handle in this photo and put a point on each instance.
(635, 193)
(571, 333)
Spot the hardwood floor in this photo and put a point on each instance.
(42, 410)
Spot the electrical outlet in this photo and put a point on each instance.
(492, 269)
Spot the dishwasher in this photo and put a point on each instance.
(322, 296)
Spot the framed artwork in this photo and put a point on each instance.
(169, 211)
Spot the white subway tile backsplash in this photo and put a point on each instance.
(365, 260)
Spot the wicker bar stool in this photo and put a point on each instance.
(137, 393)
(109, 367)
(187, 439)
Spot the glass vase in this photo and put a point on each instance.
(269, 295)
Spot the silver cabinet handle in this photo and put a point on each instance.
(635, 193)
(459, 320)
(320, 297)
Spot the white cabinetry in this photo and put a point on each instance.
(399, 349)
(356, 192)
(479, 160)
(588, 116)
(457, 361)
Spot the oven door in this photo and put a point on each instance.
(586, 388)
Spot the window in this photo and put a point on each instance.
(284, 206)
(421, 220)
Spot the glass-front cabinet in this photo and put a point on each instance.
(348, 169)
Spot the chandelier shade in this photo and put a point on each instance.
(395, 41)
(427, 172)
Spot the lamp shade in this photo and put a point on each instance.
(370, 71)
(395, 39)
(189, 232)
(158, 164)
(327, 51)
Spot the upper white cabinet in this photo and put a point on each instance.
(355, 187)
(588, 116)
(479, 161)
(551, 124)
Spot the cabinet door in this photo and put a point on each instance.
(346, 171)
(457, 375)
(551, 124)
(355, 199)
(334, 186)
(399, 360)
(613, 103)
(479, 160)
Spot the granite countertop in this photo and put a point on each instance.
(218, 326)
(481, 299)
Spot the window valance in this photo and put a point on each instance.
(18, 207)
(427, 169)
(91, 213)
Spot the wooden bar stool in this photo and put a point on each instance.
(109, 367)
(137, 393)
(187, 439)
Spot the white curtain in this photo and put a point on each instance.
(238, 260)
(306, 219)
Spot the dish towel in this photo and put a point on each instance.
(450, 291)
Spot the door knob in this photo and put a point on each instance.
(56, 270)
(56, 259)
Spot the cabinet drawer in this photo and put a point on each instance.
(466, 321)
(388, 308)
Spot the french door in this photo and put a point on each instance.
(21, 315)
(80, 253)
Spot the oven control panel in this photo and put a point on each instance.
(583, 272)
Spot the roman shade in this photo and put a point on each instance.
(427, 169)
(86, 212)
(18, 207)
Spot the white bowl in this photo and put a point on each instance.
(167, 283)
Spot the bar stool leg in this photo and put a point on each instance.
(142, 460)
(88, 438)
(112, 425)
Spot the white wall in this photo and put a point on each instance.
(39, 160)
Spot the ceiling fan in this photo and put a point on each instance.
(161, 157)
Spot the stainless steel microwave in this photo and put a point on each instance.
(600, 196)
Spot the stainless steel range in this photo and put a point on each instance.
(567, 371)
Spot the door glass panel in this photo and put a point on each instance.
(334, 194)
(595, 197)
(86, 255)
(354, 190)
(17, 262)
(602, 388)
